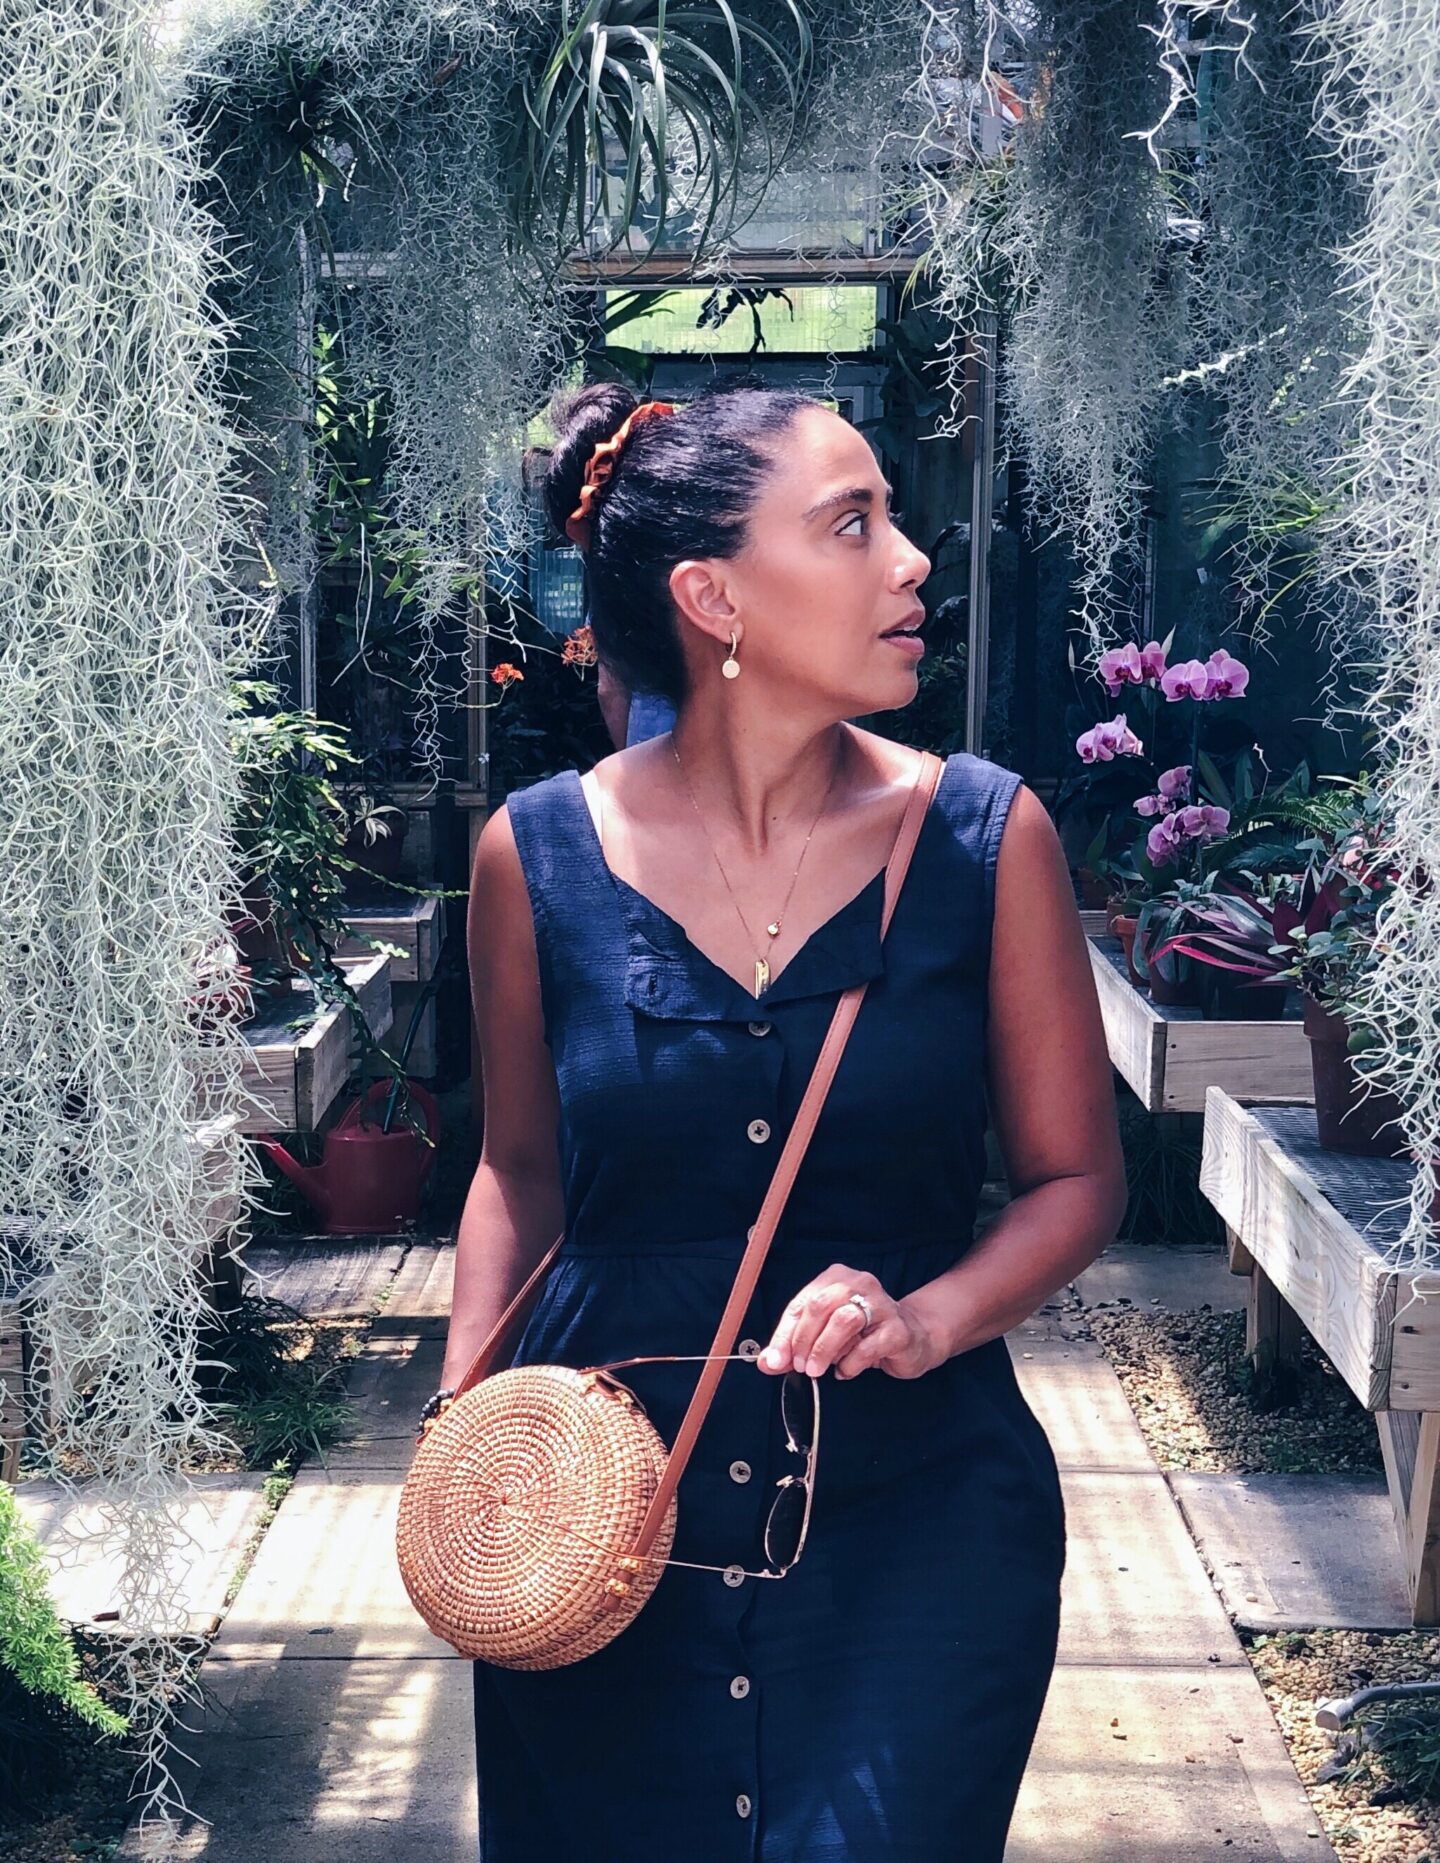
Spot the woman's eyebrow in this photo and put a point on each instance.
(855, 495)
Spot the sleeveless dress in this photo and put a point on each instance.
(880, 1700)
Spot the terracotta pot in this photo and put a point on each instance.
(1347, 1121)
(1125, 928)
(1224, 997)
(1094, 891)
(1114, 906)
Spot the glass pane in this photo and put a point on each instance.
(817, 320)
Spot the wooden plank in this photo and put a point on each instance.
(1341, 1289)
(1134, 1030)
(1092, 923)
(1272, 1332)
(1415, 1351)
(1250, 1060)
(1410, 1444)
(1171, 1056)
(417, 926)
(1241, 1260)
(298, 1075)
(12, 1388)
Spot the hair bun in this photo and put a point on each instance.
(582, 418)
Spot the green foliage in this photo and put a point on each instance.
(674, 103)
(35, 1646)
(278, 1380)
(1162, 1174)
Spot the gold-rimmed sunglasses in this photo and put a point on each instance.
(788, 1521)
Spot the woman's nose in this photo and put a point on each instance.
(914, 565)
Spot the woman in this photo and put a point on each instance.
(657, 949)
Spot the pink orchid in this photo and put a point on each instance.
(1120, 666)
(1104, 742)
(1162, 843)
(1152, 661)
(1229, 677)
(1151, 805)
(1175, 784)
(1190, 679)
(1217, 820)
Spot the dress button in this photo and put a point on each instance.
(739, 1471)
(742, 1805)
(758, 1028)
(757, 1131)
(734, 1575)
(749, 1348)
(740, 1687)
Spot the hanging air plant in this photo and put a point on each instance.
(1097, 317)
(1382, 65)
(119, 625)
(645, 113)
(1273, 330)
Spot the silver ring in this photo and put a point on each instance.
(859, 1300)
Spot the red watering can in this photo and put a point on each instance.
(370, 1180)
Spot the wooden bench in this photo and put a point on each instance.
(1169, 1057)
(1316, 1233)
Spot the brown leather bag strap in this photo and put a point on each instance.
(480, 1364)
(791, 1156)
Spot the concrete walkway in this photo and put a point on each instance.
(335, 1725)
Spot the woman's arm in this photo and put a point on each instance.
(515, 1207)
(1052, 1101)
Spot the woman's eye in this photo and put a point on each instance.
(856, 517)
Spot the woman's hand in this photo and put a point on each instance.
(818, 1329)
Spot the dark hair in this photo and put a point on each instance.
(684, 485)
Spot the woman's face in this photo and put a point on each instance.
(824, 594)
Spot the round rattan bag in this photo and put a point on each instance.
(521, 1500)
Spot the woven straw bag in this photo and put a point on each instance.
(540, 1507)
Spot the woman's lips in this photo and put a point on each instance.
(910, 641)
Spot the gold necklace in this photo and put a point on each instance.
(762, 963)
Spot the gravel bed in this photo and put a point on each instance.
(1300, 1669)
(1188, 1382)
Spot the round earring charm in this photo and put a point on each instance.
(730, 666)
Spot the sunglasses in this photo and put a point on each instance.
(788, 1521)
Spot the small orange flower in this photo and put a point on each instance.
(505, 674)
(580, 647)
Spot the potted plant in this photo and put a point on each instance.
(1327, 945)
(375, 835)
(1171, 862)
(1231, 936)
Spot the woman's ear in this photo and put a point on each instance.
(701, 592)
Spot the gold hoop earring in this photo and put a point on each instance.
(730, 666)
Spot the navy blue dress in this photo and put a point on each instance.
(879, 1701)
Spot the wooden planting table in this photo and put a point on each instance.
(1315, 1230)
(417, 925)
(1170, 1056)
(297, 1073)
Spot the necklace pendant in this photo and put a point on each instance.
(774, 930)
(762, 976)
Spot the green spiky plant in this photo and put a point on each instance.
(41, 1686)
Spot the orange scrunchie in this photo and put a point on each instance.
(601, 464)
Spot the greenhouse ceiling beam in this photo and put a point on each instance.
(748, 268)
